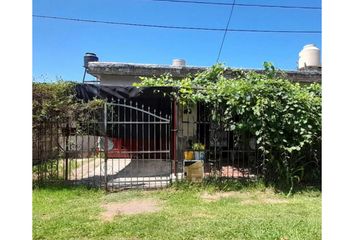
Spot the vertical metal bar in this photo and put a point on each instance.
(57, 144)
(124, 140)
(51, 149)
(148, 139)
(168, 154)
(70, 160)
(249, 165)
(206, 142)
(228, 154)
(100, 152)
(161, 154)
(61, 135)
(188, 125)
(197, 125)
(130, 138)
(215, 142)
(217, 123)
(94, 151)
(94, 144)
(243, 155)
(82, 149)
(155, 143)
(40, 151)
(37, 131)
(83, 78)
(233, 153)
(137, 144)
(41, 154)
(88, 152)
(183, 136)
(143, 141)
(112, 126)
(75, 156)
(66, 151)
(105, 147)
(174, 137)
(230, 144)
(256, 160)
(99, 149)
(181, 140)
(238, 158)
(119, 138)
(45, 151)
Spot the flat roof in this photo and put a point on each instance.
(98, 69)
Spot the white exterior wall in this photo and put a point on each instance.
(118, 80)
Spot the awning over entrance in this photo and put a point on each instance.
(90, 91)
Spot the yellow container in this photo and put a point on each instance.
(188, 155)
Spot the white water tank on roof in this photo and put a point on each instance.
(178, 62)
(309, 57)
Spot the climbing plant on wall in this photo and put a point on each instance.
(285, 117)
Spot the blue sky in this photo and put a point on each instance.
(59, 46)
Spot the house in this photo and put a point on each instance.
(115, 79)
(140, 137)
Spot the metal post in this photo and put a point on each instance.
(168, 146)
(105, 147)
(83, 79)
(174, 137)
(66, 151)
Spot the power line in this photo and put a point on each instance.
(175, 27)
(241, 4)
(227, 26)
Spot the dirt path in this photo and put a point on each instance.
(129, 208)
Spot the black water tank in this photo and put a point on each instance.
(89, 57)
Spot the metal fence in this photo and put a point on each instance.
(228, 154)
(125, 145)
(134, 144)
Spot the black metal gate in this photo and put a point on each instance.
(136, 146)
(124, 145)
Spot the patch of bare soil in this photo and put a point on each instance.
(129, 208)
(216, 196)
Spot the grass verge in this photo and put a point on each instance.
(252, 212)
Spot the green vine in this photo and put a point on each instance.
(285, 117)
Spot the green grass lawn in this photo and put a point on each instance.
(252, 213)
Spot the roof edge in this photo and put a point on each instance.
(98, 69)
